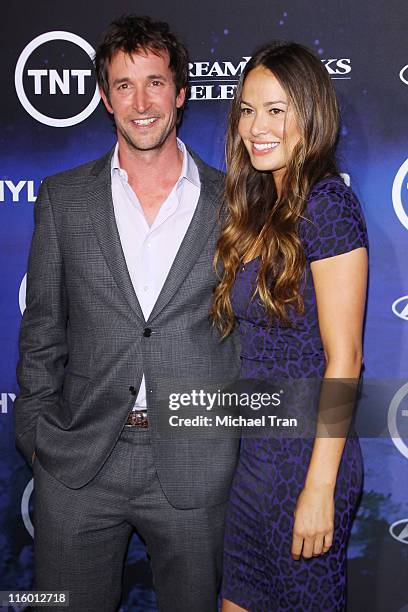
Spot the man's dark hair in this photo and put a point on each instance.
(131, 34)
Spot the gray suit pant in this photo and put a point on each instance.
(81, 535)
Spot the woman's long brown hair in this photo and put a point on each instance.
(253, 209)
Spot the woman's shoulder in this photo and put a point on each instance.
(330, 199)
(332, 189)
(333, 221)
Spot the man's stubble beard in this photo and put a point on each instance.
(156, 144)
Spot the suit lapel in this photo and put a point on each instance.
(100, 207)
(198, 232)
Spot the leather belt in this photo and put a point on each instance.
(137, 418)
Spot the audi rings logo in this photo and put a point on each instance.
(398, 419)
(25, 508)
(400, 308)
(399, 531)
(53, 67)
(403, 75)
(400, 194)
(22, 294)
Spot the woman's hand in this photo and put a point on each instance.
(314, 522)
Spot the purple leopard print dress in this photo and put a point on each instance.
(259, 573)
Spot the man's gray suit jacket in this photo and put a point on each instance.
(84, 341)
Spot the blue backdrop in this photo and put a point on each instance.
(51, 121)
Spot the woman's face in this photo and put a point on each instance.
(267, 125)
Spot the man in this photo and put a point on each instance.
(118, 295)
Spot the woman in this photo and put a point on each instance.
(294, 256)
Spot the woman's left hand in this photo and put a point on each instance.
(314, 522)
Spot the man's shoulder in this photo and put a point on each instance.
(206, 171)
(79, 175)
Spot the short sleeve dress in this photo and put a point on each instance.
(259, 573)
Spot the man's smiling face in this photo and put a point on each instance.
(143, 99)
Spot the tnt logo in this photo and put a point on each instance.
(403, 75)
(55, 81)
(26, 507)
(22, 294)
(398, 420)
(400, 194)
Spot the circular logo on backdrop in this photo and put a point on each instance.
(400, 308)
(398, 419)
(400, 194)
(55, 81)
(22, 294)
(399, 531)
(403, 75)
(25, 508)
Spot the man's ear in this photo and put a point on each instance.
(106, 101)
(181, 97)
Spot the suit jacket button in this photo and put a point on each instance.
(147, 332)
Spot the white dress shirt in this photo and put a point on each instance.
(150, 250)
